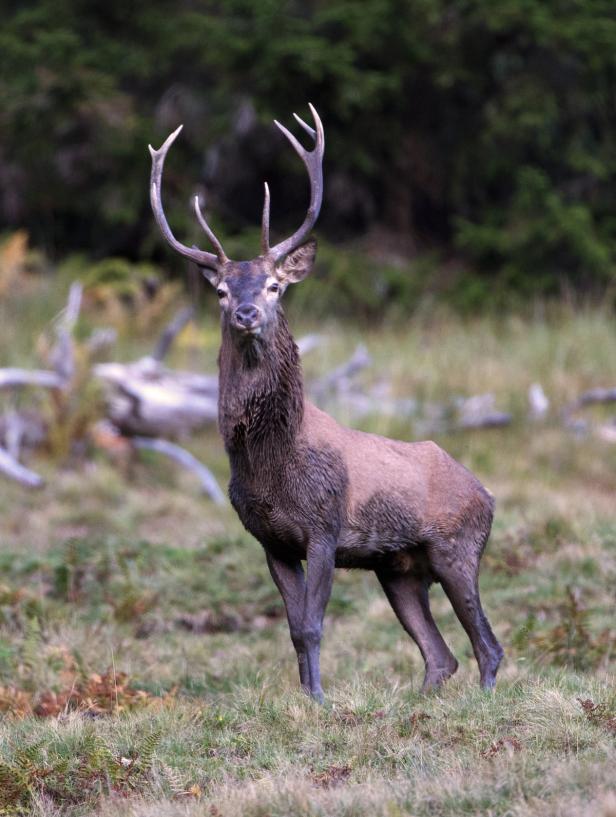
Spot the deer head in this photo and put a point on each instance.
(249, 291)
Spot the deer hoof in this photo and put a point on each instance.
(318, 696)
(436, 677)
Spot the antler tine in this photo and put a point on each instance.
(313, 160)
(299, 149)
(265, 221)
(208, 231)
(320, 137)
(310, 131)
(204, 259)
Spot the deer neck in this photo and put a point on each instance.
(261, 397)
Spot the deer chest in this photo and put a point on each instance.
(277, 528)
(287, 506)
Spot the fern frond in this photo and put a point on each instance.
(14, 787)
(31, 647)
(147, 748)
(175, 780)
(28, 757)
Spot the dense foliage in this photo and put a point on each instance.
(479, 130)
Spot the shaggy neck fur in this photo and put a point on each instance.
(261, 397)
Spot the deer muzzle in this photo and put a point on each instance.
(247, 317)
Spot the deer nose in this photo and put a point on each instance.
(247, 314)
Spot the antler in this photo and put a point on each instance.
(204, 259)
(313, 160)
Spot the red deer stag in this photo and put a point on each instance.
(312, 490)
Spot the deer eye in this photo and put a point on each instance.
(222, 293)
(273, 287)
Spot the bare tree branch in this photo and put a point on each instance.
(25, 427)
(14, 470)
(307, 343)
(186, 460)
(340, 376)
(171, 331)
(14, 432)
(591, 397)
(18, 378)
(62, 356)
(101, 339)
(495, 419)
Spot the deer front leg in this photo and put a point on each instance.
(320, 563)
(290, 580)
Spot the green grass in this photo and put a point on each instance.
(98, 575)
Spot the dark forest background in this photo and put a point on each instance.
(470, 142)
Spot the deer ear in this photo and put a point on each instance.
(297, 264)
(211, 275)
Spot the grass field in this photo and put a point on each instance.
(145, 665)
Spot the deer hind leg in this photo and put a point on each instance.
(463, 593)
(456, 565)
(408, 596)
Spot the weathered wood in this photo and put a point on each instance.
(496, 419)
(538, 403)
(14, 430)
(591, 397)
(341, 375)
(186, 460)
(62, 355)
(101, 339)
(578, 425)
(149, 402)
(62, 359)
(479, 411)
(171, 331)
(16, 471)
(19, 378)
(307, 343)
(146, 398)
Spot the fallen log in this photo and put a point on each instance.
(148, 399)
(145, 398)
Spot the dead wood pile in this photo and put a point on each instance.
(149, 406)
